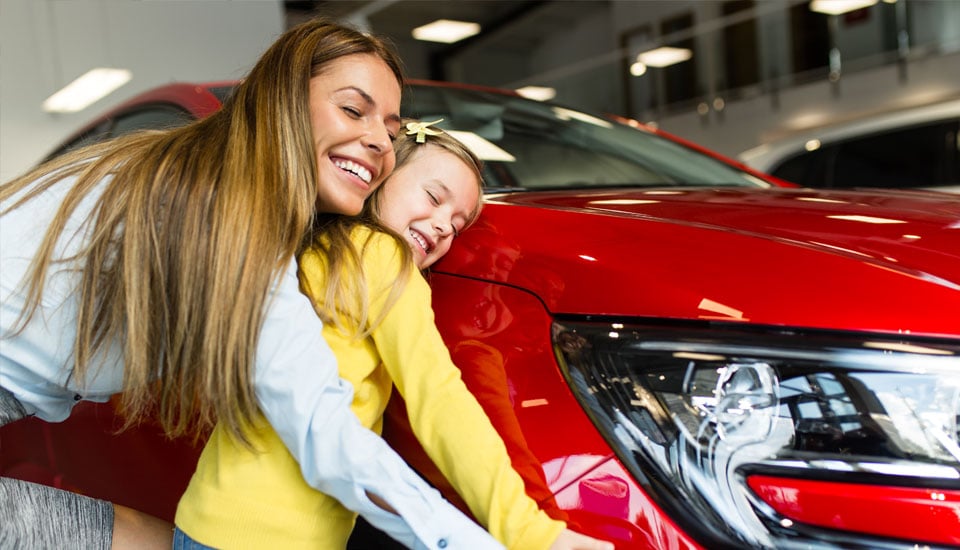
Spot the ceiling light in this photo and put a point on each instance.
(539, 93)
(638, 69)
(88, 88)
(446, 31)
(665, 56)
(836, 7)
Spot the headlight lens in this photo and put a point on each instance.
(694, 411)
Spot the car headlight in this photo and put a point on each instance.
(737, 431)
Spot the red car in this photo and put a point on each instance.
(679, 352)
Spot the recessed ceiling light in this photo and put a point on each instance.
(664, 57)
(88, 88)
(836, 7)
(446, 31)
(638, 69)
(539, 93)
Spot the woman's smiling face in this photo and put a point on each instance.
(429, 200)
(354, 115)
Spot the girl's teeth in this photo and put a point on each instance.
(419, 239)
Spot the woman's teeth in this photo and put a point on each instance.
(354, 169)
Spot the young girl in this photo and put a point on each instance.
(163, 265)
(378, 319)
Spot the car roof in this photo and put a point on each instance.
(765, 157)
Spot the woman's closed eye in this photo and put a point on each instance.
(357, 113)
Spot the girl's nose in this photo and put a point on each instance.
(442, 228)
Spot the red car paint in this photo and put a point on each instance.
(929, 515)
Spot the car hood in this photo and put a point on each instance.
(882, 261)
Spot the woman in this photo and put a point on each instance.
(162, 265)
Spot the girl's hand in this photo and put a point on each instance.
(571, 540)
(135, 530)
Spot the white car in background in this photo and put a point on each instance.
(917, 148)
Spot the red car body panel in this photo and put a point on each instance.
(87, 454)
(730, 255)
(723, 255)
(928, 515)
(872, 263)
(196, 99)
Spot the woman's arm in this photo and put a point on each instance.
(308, 405)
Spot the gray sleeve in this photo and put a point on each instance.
(37, 516)
(10, 408)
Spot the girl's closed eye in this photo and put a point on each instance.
(433, 198)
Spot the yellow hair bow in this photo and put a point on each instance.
(423, 129)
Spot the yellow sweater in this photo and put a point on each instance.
(244, 499)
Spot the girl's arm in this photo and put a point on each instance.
(308, 405)
(445, 416)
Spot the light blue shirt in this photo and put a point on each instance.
(296, 381)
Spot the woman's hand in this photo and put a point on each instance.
(571, 540)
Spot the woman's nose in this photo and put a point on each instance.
(379, 140)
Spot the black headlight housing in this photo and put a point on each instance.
(693, 410)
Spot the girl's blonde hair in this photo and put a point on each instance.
(193, 227)
(345, 296)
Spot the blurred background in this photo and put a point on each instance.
(727, 74)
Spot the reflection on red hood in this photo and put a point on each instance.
(886, 261)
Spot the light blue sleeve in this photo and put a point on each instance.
(308, 404)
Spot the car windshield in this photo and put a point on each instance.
(531, 145)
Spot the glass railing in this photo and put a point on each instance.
(747, 48)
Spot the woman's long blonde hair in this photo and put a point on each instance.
(347, 292)
(193, 227)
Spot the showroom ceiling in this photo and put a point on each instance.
(510, 25)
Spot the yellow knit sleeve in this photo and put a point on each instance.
(445, 416)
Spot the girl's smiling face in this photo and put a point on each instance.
(354, 115)
(429, 200)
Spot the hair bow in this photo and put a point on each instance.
(423, 129)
